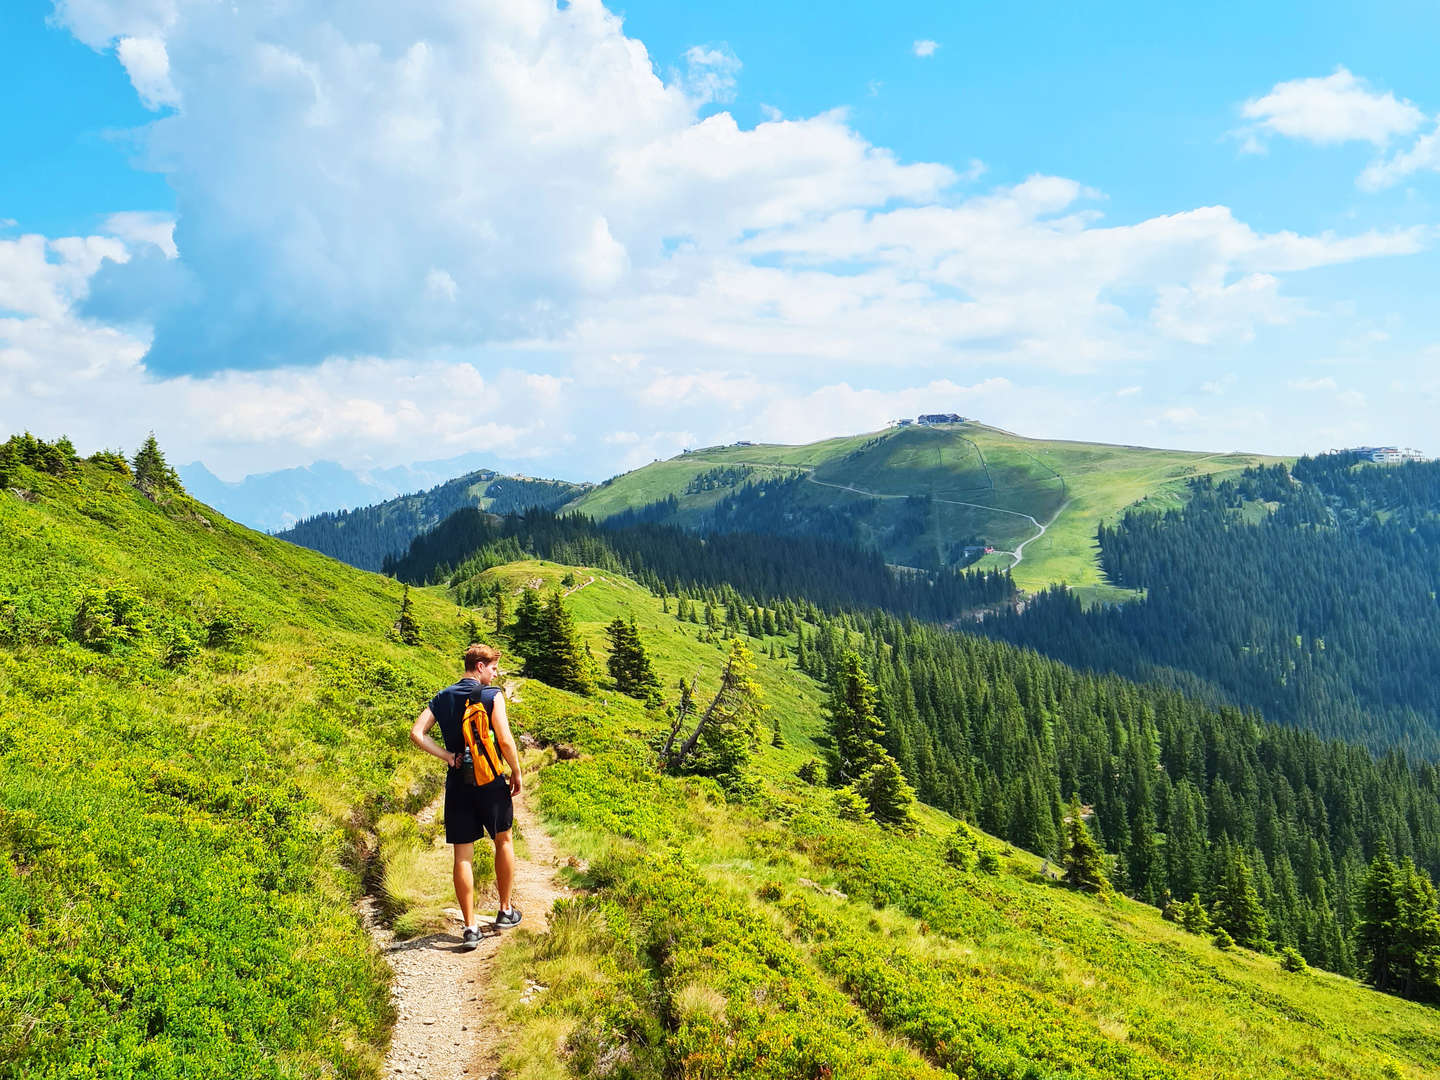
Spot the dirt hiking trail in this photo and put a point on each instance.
(445, 1030)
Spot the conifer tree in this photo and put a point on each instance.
(1084, 864)
(153, 474)
(525, 633)
(861, 758)
(406, 628)
(1237, 908)
(1417, 938)
(560, 657)
(726, 733)
(1377, 930)
(629, 664)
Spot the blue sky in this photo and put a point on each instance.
(396, 234)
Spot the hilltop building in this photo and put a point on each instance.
(930, 419)
(1386, 455)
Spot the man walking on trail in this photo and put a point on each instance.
(473, 809)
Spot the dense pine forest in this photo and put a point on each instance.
(1190, 800)
(827, 573)
(367, 536)
(1309, 595)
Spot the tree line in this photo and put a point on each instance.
(827, 573)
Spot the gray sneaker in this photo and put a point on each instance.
(504, 920)
(470, 939)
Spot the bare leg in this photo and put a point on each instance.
(504, 867)
(465, 881)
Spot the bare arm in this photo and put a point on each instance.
(501, 723)
(419, 735)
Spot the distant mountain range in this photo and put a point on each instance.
(365, 536)
(928, 497)
(277, 500)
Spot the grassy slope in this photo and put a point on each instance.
(178, 853)
(967, 463)
(178, 846)
(988, 975)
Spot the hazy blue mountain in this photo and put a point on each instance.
(277, 500)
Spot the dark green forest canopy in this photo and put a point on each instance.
(827, 573)
(1310, 595)
(1181, 790)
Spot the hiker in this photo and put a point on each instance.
(477, 793)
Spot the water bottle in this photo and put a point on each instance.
(466, 765)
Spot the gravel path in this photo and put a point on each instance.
(443, 1032)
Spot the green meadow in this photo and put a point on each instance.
(983, 485)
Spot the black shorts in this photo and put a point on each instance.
(471, 812)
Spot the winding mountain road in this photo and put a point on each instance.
(1018, 555)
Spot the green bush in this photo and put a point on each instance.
(850, 805)
(111, 617)
(812, 772)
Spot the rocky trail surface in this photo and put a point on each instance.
(444, 1030)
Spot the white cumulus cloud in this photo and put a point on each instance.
(382, 207)
(1337, 108)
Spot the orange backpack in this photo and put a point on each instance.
(480, 741)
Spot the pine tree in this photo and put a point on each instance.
(153, 474)
(726, 733)
(629, 664)
(406, 628)
(1237, 908)
(1084, 864)
(560, 658)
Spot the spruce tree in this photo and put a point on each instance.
(629, 664)
(560, 657)
(1417, 936)
(153, 474)
(861, 758)
(525, 633)
(406, 628)
(726, 733)
(1084, 864)
(1377, 930)
(1237, 908)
